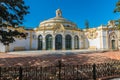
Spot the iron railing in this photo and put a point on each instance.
(62, 71)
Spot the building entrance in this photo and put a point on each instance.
(58, 42)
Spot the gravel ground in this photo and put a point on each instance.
(45, 58)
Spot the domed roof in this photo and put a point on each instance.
(58, 19)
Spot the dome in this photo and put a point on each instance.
(58, 19)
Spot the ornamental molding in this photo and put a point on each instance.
(112, 35)
(58, 28)
(92, 33)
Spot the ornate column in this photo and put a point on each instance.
(101, 47)
(44, 43)
(79, 43)
(31, 37)
(63, 42)
(107, 42)
(53, 42)
(119, 39)
(82, 44)
(73, 43)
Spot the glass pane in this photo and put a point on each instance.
(68, 42)
(40, 43)
(58, 42)
(48, 42)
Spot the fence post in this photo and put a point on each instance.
(77, 71)
(94, 71)
(20, 73)
(60, 65)
(0, 73)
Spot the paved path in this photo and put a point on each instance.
(37, 58)
(39, 52)
(115, 79)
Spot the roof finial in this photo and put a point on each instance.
(58, 13)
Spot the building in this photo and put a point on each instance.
(59, 33)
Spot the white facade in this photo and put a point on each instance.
(59, 33)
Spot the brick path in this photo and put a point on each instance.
(7, 59)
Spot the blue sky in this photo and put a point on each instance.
(97, 12)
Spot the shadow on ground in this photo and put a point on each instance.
(51, 59)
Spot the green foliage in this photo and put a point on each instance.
(117, 9)
(8, 36)
(118, 23)
(86, 24)
(12, 13)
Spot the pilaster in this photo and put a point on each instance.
(107, 42)
(79, 43)
(31, 40)
(101, 40)
(63, 43)
(44, 43)
(53, 43)
(73, 47)
(119, 39)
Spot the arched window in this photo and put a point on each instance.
(68, 42)
(40, 42)
(76, 42)
(48, 42)
(58, 42)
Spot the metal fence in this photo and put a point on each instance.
(62, 71)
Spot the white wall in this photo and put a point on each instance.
(93, 42)
(104, 40)
(35, 41)
(2, 47)
(19, 43)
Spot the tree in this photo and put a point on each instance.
(117, 9)
(86, 24)
(12, 13)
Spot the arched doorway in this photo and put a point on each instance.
(113, 44)
(58, 42)
(48, 42)
(68, 42)
(76, 42)
(40, 42)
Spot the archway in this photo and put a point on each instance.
(40, 42)
(113, 44)
(76, 42)
(58, 42)
(68, 42)
(49, 42)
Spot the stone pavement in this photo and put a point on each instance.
(115, 79)
(45, 58)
